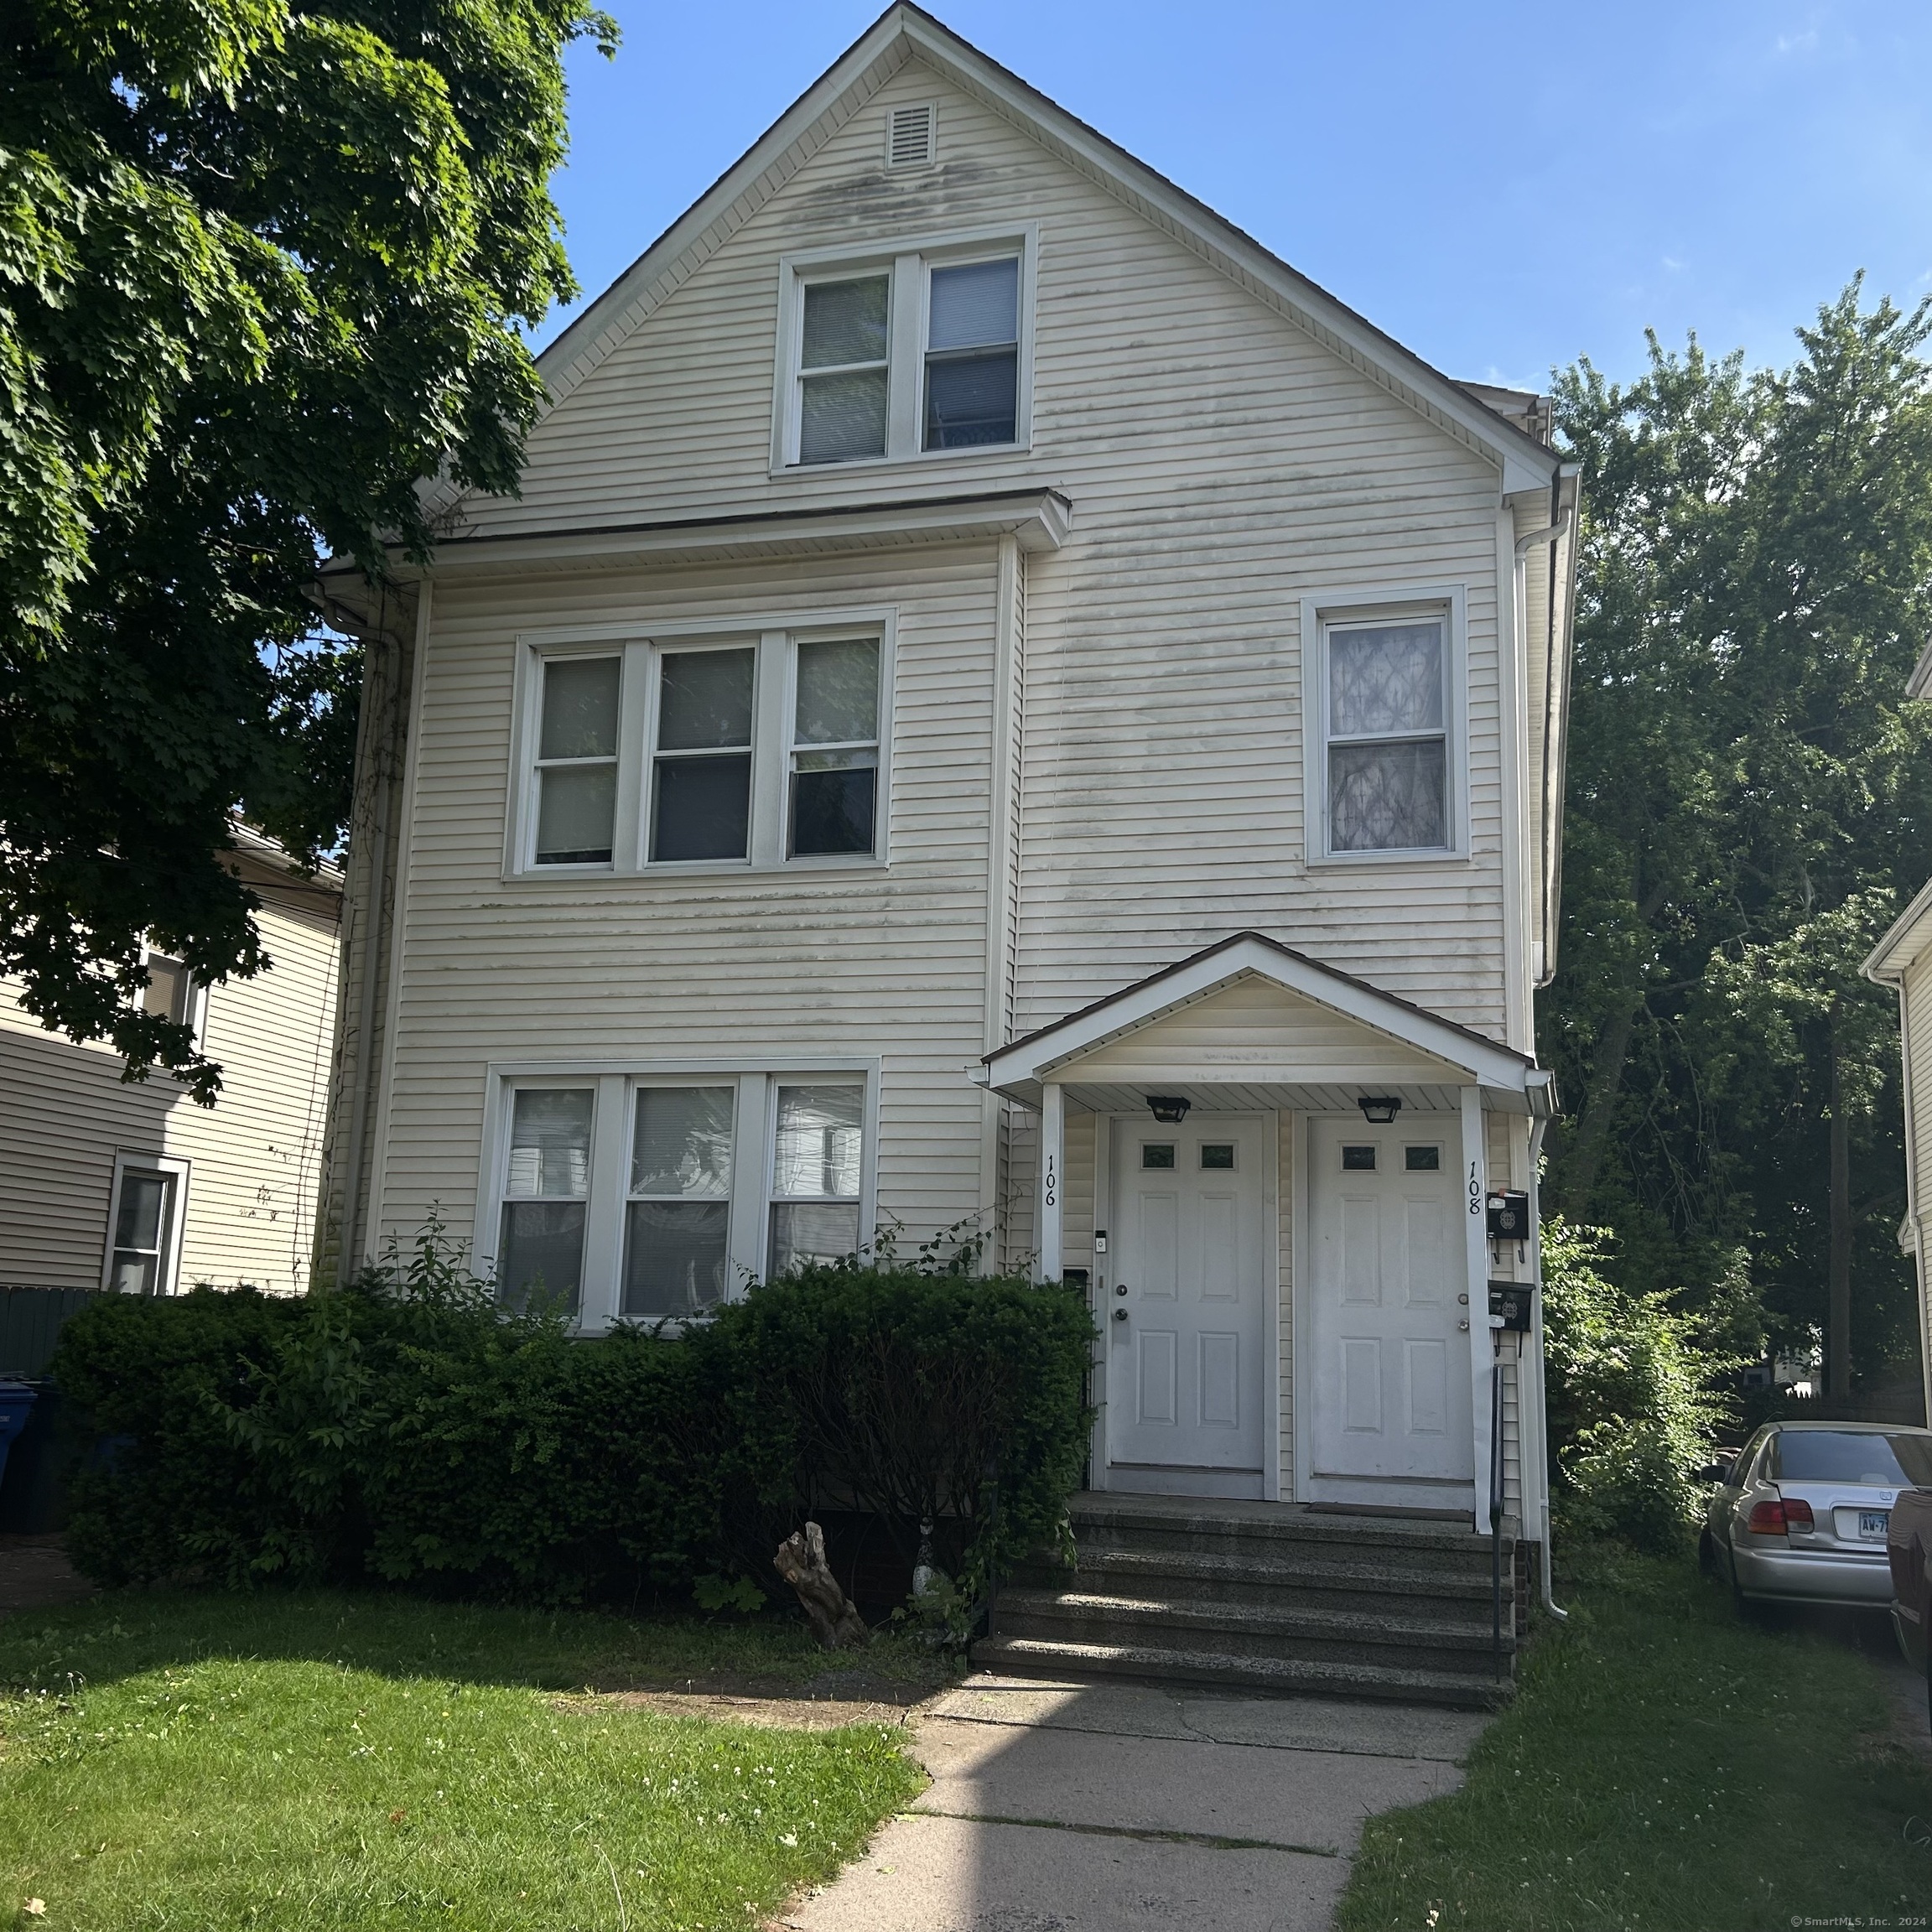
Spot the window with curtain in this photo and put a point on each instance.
(843, 374)
(143, 1225)
(701, 786)
(546, 1196)
(835, 747)
(677, 1217)
(1387, 737)
(816, 1167)
(973, 354)
(577, 762)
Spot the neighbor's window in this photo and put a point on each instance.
(577, 762)
(545, 1193)
(835, 747)
(1388, 736)
(948, 376)
(701, 789)
(169, 993)
(816, 1169)
(843, 376)
(677, 1218)
(142, 1227)
(973, 354)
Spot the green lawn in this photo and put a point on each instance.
(201, 1760)
(1666, 1768)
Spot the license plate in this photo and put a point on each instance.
(1873, 1522)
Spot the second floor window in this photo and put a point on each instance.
(764, 749)
(1388, 763)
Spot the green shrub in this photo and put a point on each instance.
(408, 1428)
(1633, 1395)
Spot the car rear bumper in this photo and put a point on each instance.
(1814, 1575)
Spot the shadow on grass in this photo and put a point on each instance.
(124, 1633)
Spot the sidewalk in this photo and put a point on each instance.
(1117, 1807)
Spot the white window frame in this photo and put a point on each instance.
(909, 265)
(169, 1281)
(1345, 608)
(194, 1013)
(776, 640)
(755, 1116)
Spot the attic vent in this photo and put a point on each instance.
(909, 132)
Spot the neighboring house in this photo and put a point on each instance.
(129, 1185)
(1000, 703)
(1903, 960)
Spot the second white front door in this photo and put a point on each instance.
(1190, 1370)
(1386, 1368)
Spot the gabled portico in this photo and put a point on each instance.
(1282, 1288)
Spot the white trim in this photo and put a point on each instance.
(902, 33)
(1920, 683)
(1302, 1126)
(1271, 1307)
(1049, 1185)
(1359, 604)
(1493, 1066)
(1512, 710)
(1903, 941)
(640, 645)
(169, 1279)
(1100, 1289)
(1474, 1183)
(614, 1084)
(908, 263)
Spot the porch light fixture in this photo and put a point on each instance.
(1170, 1109)
(1378, 1109)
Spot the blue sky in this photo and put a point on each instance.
(1502, 187)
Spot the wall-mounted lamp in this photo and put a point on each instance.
(1378, 1109)
(1170, 1109)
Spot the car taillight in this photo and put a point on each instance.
(1779, 1517)
(1798, 1514)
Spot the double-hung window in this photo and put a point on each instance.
(576, 775)
(752, 746)
(645, 1196)
(546, 1196)
(144, 1225)
(1384, 749)
(920, 351)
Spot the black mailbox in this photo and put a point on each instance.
(1511, 1301)
(1508, 1217)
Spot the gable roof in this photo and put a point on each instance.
(905, 32)
(1017, 1069)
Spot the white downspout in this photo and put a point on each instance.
(1541, 1435)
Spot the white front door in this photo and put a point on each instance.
(1386, 1366)
(1190, 1370)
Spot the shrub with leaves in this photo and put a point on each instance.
(1633, 1399)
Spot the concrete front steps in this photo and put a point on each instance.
(1253, 1597)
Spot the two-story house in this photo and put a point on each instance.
(1000, 703)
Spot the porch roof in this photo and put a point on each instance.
(1251, 1023)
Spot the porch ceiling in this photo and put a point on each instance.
(1263, 1097)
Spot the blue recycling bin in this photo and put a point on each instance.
(16, 1400)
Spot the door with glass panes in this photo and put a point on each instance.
(1188, 1362)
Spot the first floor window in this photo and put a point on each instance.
(678, 1220)
(816, 1169)
(142, 1232)
(1388, 762)
(540, 1251)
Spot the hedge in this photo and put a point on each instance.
(409, 1428)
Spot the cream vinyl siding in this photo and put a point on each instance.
(1915, 998)
(1222, 463)
(739, 966)
(254, 1158)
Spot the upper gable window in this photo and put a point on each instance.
(922, 352)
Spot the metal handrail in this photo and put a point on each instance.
(1496, 1513)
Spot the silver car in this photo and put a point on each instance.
(1800, 1516)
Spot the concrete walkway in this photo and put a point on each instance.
(1130, 1808)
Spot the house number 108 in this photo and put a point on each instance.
(1475, 1191)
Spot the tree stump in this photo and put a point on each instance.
(801, 1561)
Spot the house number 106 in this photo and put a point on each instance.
(1475, 1191)
(1052, 1184)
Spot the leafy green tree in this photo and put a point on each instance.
(263, 268)
(1750, 800)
